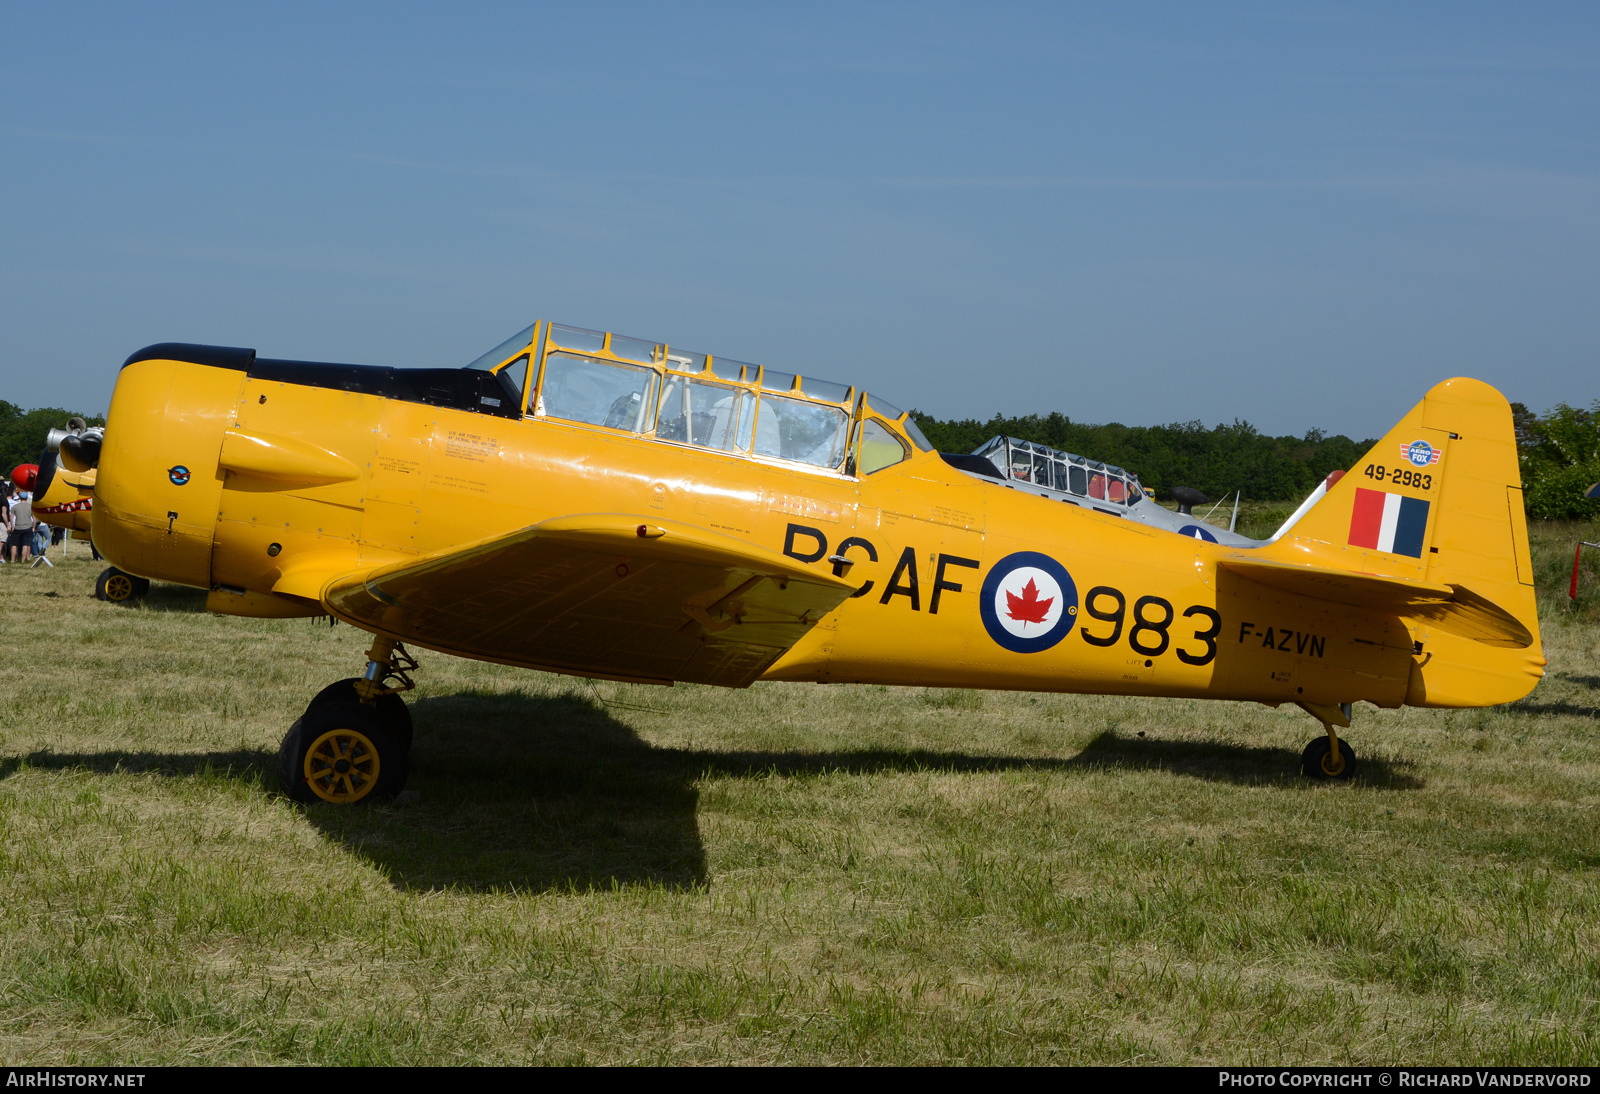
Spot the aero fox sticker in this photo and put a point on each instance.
(1420, 453)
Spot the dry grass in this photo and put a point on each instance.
(607, 873)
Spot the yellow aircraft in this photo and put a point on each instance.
(579, 502)
(65, 499)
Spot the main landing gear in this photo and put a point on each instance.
(353, 743)
(1328, 757)
(118, 588)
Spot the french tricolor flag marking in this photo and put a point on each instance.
(1388, 522)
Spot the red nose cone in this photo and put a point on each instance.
(24, 474)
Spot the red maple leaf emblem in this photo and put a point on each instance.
(1028, 608)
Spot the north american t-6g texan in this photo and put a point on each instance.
(579, 502)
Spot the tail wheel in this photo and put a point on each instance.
(391, 708)
(117, 587)
(1318, 761)
(341, 753)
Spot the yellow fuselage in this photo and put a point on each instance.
(261, 489)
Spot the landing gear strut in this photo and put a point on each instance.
(353, 743)
(1328, 757)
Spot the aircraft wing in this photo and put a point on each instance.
(1452, 608)
(608, 595)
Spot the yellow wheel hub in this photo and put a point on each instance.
(1333, 763)
(119, 587)
(342, 766)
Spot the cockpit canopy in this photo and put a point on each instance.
(1063, 472)
(649, 388)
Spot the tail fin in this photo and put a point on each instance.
(1438, 501)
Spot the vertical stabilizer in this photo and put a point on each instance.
(1438, 499)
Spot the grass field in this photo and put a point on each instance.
(606, 873)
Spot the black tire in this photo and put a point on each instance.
(375, 766)
(1313, 760)
(116, 587)
(392, 708)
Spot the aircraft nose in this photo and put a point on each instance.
(81, 453)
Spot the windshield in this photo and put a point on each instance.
(916, 435)
(880, 448)
(505, 349)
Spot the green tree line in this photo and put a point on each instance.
(1560, 454)
(23, 432)
(1218, 461)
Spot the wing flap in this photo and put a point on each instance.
(1454, 609)
(602, 595)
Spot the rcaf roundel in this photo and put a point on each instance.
(1028, 602)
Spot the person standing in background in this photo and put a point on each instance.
(5, 515)
(19, 544)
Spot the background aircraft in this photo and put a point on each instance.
(1069, 477)
(66, 500)
(585, 503)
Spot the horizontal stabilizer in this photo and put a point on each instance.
(1454, 609)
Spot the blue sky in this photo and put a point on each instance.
(1300, 215)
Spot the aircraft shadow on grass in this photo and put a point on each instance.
(163, 598)
(1577, 710)
(173, 598)
(538, 793)
(1233, 763)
